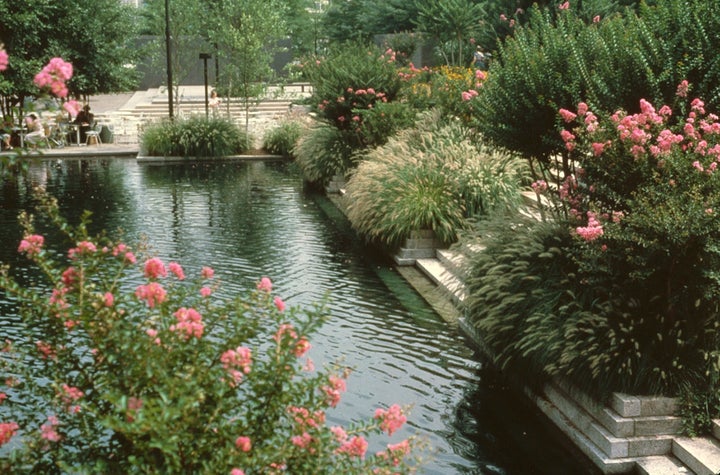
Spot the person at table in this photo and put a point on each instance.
(36, 131)
(84, 120)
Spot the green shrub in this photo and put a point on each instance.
(194, 137)
(429, 177)
(282, 139)
(322, 152)
(557, 60)
(353, 79)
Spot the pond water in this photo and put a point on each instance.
(249, 220)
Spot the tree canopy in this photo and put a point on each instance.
(94, 35)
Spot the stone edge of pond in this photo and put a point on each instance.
(146, 159)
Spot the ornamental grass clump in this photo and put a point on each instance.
(322, 152)
(636, 309)
(429, 177)
(129, 364)
(282, 139)
(194, 137)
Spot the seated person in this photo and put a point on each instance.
(6, 135)
(85, 120)
(36, 131)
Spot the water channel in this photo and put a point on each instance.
(254, 219)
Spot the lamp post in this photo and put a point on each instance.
(169, 59)
(205, 57)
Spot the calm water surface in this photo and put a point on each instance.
(248, 220)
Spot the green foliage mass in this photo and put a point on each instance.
(429, 177)
(193, 137)
(352, 79)
(322, 152)
(558, 60)
(281, 140)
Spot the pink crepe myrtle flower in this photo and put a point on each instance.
(582, 109)
(592, 231)
(48, 432)
(596, 19)
(206, 292)
(7, 431)
(31, 245)
(83, 248)
(355, 447)
(72, 107)
(333, 389)
(243, 443)
(108, 299)
(155, 268)
(177, 270)
(279, 304)
(54, 76)
(391, 419)
(539, 186)
(189, 323)
(236, 471)
(683, 88)
(302, 346)
(339, 433)
(237, 362)
(207, 273)
(567, 115)
(285, 329)
(4, 59)
(265, 285)
(153, 294)
(564, 6)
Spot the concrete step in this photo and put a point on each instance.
(701, 455)
(442, 278)
(661, 465)
(611, 445)
(716, 428)
(568, 426)
(452, 260)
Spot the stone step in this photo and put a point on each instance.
(716, 428)
(568, 426)
(661, 465)
(442, 278)
(701, 455)
(453, 261)
(612, 446)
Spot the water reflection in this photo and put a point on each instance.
(253, 219)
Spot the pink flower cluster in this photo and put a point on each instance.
(304, 419)
(83, 248)
(54, 75)
(31, 245)
(593, 230)
(7, 431)
(333, 389)
(48, 431)
(153, 294)
(189, 323)
(237, 363)
(469, 94)
(4, 60)
(391, 419)
(356, 446)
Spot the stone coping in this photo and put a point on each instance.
(146, 159)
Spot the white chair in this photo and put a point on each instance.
(94, 134)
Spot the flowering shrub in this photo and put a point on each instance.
(127, 364)
(643, 204)
(347, 87)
